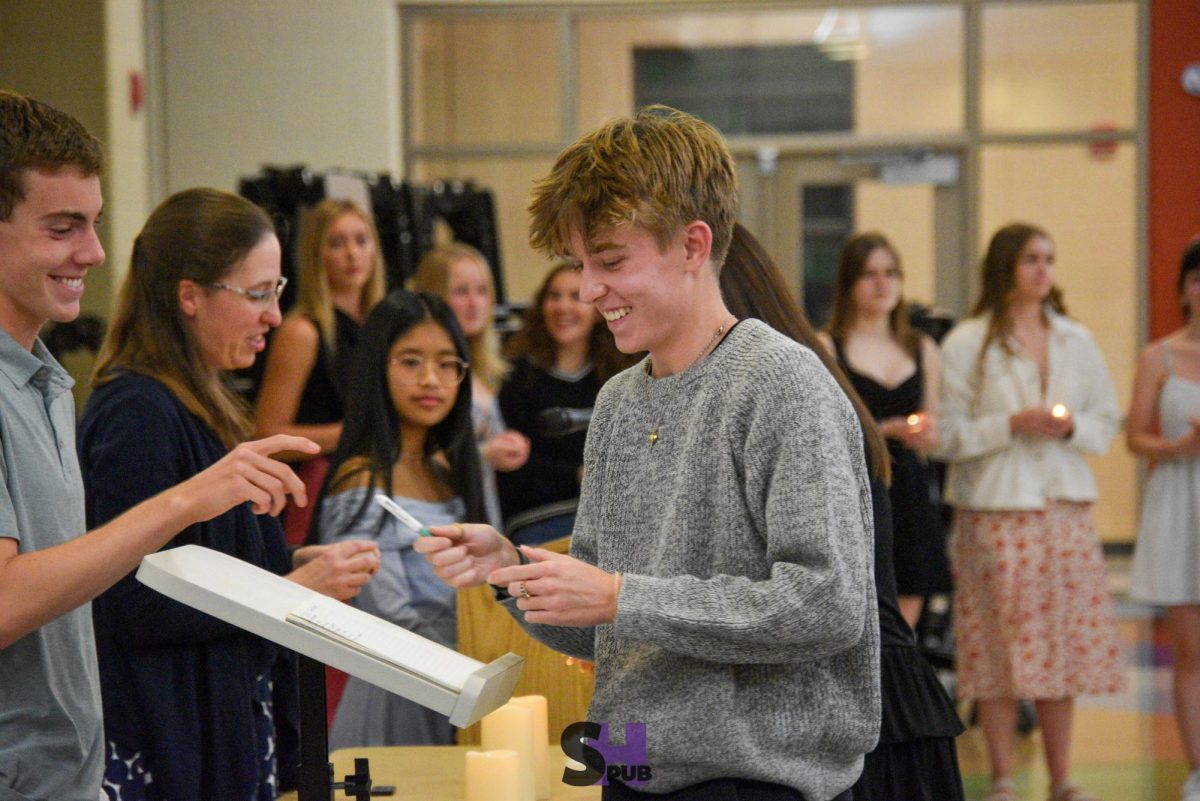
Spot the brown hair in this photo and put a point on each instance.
(433, 275)
(660, 170)
(34, 135)
(197, 235)
(851, 264)
(534, 342)
(999, 278)
(753, 286)
(313, 299)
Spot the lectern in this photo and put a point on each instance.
(324, 631)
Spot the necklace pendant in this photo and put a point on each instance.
(653, 437)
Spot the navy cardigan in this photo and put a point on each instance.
(176, 683)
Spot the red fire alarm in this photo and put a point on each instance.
(1103, 148)
(137, 91)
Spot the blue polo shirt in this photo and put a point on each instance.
(51, 737)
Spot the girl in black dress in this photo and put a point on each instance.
(916, 758)
(895, 370)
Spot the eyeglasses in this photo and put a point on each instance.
(413, 369)
(260, 297)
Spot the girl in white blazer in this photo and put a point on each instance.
(1025, 394)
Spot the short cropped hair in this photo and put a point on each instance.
(660, 170)
(34, 135)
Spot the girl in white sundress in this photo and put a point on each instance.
(1164, 426)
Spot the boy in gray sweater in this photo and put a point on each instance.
(720, 573)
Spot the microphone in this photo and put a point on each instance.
(560, 421)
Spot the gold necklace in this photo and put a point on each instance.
(703, 352)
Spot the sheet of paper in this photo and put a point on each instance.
(381, 639)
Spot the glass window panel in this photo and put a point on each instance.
(1059, 67)
(511, 180)
(909, 52)
(1088, 205)
(757, 89)
(478, 81)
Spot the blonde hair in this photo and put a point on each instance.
(660, 170)
(433, 274)
(313, 298)
(196, 235)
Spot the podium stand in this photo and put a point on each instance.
(259, 601)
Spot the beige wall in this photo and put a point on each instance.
(127, 202)
(904, 214)
(54, 50)
(279, 82)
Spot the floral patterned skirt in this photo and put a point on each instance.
(1032, 613)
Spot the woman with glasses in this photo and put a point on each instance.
(303, 388)
(562, 356)
(194, 708)
(408, 436)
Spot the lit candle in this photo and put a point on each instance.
(536, 704)
(493, 776)
(914, 420)
(1058, 410)
(510, 728)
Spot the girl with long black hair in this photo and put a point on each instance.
(407, 435)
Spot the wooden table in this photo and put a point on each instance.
(435, 772)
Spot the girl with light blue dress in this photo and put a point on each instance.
(407, 435)
(1164, 426)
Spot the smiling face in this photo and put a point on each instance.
(231, 329)
(422, 392)
(877, 290)
(348, 253)
(1033, 276)
(634, 284)
(47, 247)
(470, 295)
(568, 319)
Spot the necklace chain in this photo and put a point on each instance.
(708, 345)
(703, 352)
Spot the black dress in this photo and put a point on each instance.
(322, 401)
(916, 759)
(920, 558)
(324, 395)
(552, 471)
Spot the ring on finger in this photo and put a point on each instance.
(521, 588)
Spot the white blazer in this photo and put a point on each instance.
(990, 467)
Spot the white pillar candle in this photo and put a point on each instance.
(541, 739)
(493, 776)
(510, 728)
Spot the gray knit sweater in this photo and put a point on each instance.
(746, 636)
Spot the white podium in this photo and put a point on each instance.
(260, 602)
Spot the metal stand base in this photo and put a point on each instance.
(316, 773)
